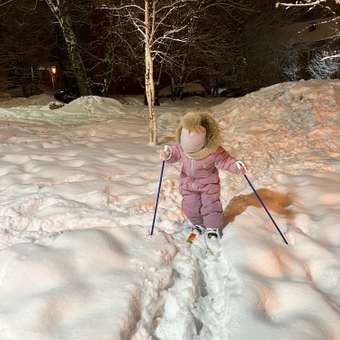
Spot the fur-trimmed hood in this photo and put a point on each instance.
(192, 121)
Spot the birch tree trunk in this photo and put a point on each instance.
(58, 9)
(149, 76)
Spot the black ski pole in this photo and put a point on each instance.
(157, 199)
(260, 200)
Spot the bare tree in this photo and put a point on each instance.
(323, 65)
(26, 39)
(113, 53)
(178, 39)
(291, 67)
(329, 22)
(155, 22)
(61, 11)
(307, 3)
(209, 50)
(149, 32)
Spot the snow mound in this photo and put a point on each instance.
(302, 105)
(38, 100)
(80, 111)
(93, 105)
(288, 127)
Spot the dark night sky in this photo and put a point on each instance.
(239, 48)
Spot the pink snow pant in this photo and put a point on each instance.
(203, 207)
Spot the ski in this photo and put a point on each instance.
(213, 245)
(211, 241)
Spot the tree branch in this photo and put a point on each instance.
(307, 3)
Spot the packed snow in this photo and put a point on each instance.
(78, 187)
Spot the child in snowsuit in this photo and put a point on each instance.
(198, 147)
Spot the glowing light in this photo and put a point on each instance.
(54, 69)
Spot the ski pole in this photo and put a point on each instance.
(265, 208)
(157, 199)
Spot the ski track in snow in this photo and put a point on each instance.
(199, 305)
(191, 303)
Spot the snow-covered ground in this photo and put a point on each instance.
(77, 194)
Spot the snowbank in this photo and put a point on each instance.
(288, 127)
(93, 105)
(39, 100)
(80, 111)
(300, 106)
(288, 134)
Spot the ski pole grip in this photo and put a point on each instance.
(241, 165)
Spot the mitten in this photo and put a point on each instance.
(165, 154)
(238, 168)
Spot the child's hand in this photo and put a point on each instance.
(165, 154)
(242, 169)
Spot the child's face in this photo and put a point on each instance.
(193, 141)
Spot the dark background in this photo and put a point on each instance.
(231, 50)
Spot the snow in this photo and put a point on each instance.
(77, 194)
(38, 100)
(79, 111)
(67, 289)
(93, 105)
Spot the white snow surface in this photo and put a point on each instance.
(78, 186)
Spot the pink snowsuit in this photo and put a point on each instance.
(200, 185)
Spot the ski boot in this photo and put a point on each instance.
(196, 231)
(212, 240)
(214, 233)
